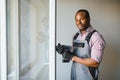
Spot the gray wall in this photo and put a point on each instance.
(105, 17)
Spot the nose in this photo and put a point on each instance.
(79, 22)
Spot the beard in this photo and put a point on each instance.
(82, 29)
(84, 26)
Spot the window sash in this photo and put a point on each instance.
(3, 47)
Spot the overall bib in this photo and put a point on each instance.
(79, 71)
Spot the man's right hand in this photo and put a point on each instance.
(68, 55)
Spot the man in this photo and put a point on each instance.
(87, 50)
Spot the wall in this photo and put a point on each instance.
(105, 18)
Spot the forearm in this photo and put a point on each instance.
(86, 61)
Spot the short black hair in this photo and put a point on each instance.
(86, 12)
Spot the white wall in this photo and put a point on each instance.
(105, 18)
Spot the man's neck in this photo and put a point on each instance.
(83, 31)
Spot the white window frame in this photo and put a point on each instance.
(3, 57)
(3, 39)
(52, 39)
(3, 47)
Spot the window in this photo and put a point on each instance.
(29, 27)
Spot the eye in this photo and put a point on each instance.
(83, 18)
(77, 20)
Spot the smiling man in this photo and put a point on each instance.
(88, 57)
(87, 49)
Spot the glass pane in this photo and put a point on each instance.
(34, 27)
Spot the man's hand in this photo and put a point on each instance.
(67, 55)
(60, 48)
(65, 51)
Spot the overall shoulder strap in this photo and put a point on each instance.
(89, 36)
(76, 35)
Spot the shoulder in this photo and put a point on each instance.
(97, 35)
(97, 38)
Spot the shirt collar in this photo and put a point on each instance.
(89, 29)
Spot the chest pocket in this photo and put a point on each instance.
(81, 48)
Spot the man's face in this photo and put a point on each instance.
(81, 21)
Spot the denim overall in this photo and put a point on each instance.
(82, 50)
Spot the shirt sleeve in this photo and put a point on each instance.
(97, 47)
